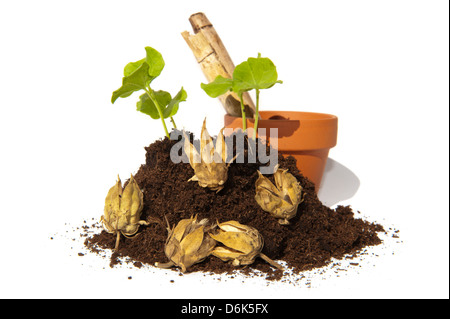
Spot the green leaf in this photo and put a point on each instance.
(155, 62)
(136, 81)
(147, 106)
(172, 107)
(219, 86)
(255, 73)
(132, 66)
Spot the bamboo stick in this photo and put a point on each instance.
(214, 60)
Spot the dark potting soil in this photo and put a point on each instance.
(315, 236)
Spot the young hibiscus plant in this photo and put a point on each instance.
(138, 76)
(254, 74)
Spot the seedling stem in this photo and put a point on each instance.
(152, 97)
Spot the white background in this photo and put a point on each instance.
(380, 66)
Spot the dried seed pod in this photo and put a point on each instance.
(210, 167)
(241, 244)
(282, 200)
(188, 243)
(123, 209)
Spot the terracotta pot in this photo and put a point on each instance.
(306, 136)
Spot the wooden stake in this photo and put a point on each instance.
(214, 60)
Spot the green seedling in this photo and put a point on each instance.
(255, 73)
(138, 76)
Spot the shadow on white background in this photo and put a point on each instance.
(338, 183)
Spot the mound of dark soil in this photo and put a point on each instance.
(313, 237)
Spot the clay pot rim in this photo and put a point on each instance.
(296, 115)
(299, 131)
(291, 119)
(305, 116)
